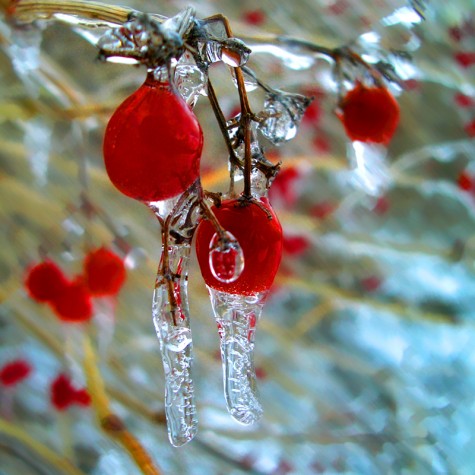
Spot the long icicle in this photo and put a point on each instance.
(171, 314)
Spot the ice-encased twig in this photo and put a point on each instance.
(236, 317)
(172, 323)
(178, 217)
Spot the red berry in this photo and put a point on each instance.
(295, 245)
(259, 234)
(104, 272)
(64, 394)
(369, 114)
(81, 397)
(14, 372)
(152, 144)
(45, 281)
(75, 303)
(465, 181)
(254, 17)
(466, 59)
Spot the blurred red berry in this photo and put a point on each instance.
(466, 59)
(369, 114)
(45, 281)
(64, 394)
(283, 187)
(14, 372)
(470, 128)
(464, 101)
(75, 303)
(254, 17)
(295, 245)
(104, 272)
(465, 181)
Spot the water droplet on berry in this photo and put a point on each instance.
(226, 259)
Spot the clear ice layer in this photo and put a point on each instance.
(178, 217)
(236, 317)
(172, 324)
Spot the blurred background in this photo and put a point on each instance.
(365, 354)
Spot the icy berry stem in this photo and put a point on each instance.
(171, 314)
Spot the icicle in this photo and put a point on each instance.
(370, 170)
(170, 312)
(282, 115)
(236, 317)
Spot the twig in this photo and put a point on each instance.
(110, 422)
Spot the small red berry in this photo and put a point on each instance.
(295, 245)
(465, 59)
(369, 114)
(152, 144)
(75, 303)
(254, 17)
(14, 372)
(45, 281)
(470, 128)
(104, 272)
(284, 186)
(63, 394)
(464, 101)
(81, 397)
(465, 181)
(259, 234)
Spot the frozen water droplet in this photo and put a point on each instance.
(370, 170)
(226, 259)
(282, 115)
(231, 51)
(259, 184)
(178, 340)
(190, 82)
(250, 81)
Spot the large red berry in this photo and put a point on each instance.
(259, 234)
(45, 281)
(104, 272)
(75, 303)
(370, 114)
(153, 144)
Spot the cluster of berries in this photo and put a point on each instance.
(71, 299)
(63, 393)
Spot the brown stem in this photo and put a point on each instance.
(29, 10)
(246, 112)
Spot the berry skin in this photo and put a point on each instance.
(45, 281)
(260, 238)
(14, 372)
(104, 272)
(74, 305)
(369, 114)
(152, 144)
